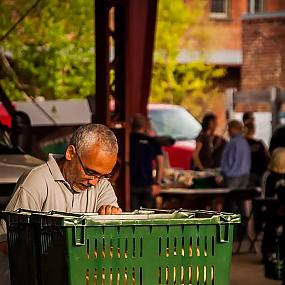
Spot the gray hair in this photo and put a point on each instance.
(94, 134)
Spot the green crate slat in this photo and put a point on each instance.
(166, 251)
(22, 262)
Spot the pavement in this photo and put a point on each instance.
(247, 269)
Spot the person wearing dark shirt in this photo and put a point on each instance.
(275, 181)
(274, 186)
(259, 155)
(219, 146)
(248, 117)
(144, 151)
(203, 154)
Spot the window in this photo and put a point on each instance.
(255, 6)
(220, 9)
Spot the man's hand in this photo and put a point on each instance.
(109, 210)
(219, 179)
(155, 190)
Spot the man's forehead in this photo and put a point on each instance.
(97, 149)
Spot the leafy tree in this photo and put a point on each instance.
(52, 49)
(190, 84)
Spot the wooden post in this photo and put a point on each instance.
(127, 27)
(230, 93)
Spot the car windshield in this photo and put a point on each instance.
(176, 122)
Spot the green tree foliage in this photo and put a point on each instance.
(52, 49)
(190, 84)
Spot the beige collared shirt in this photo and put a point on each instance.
(44, 189)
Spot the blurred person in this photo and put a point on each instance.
(236, 158)
(277, 139)
(274, 229)
(235, 170)
(259, 155)
(203, 154)
(75, 182)
(248, 117)
(275, 180)
(159, 161)
(144, 151)
(219, 146)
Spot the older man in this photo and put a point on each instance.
(75, 182)
(235, 164)
(236, 159)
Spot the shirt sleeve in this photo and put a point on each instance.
(156, 146)
(228, 158)
(157, 149)
(20, 199)
(106, 195)
(200, 138)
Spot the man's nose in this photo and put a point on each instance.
(93, 181)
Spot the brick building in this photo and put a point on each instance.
(248, 38)
(263, 51)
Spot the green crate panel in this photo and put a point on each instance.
(22, 251)
(138, 255)
(73, 249)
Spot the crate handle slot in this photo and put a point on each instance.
(224, 233)
(79, 235)
(161, 211)
(66, 214)
(21, 210)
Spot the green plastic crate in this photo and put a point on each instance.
(136, 249)
(22, 247)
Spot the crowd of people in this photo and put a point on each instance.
(78, 181)
(242, 160)
(245, 162)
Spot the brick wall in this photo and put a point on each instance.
(263, 41)
(227, 33)
(275, 5)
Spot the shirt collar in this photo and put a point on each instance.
(53, 167)
(238, 136)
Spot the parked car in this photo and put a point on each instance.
(13, 163)
(177, 122)
(167, 120)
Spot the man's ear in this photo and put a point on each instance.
(70, 152)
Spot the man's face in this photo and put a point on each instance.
(213, 125)
(234, 131)
(250, 119)
(84, 170)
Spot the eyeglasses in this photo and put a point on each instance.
(93, 173)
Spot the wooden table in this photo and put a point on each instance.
(186, 191)
(193, 193)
